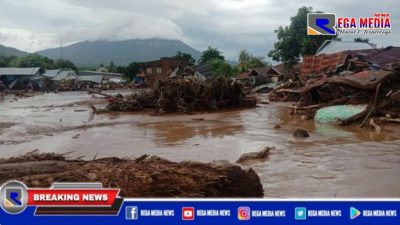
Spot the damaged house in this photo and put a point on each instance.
(161, 69)
(260, 75)
(19, 78)
(345, 82)
(98, 77)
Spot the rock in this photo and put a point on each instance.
(277, 126)
(76, 136)
(261, 155)
(301, 133)
(198, 119)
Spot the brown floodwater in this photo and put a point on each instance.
(334, 162)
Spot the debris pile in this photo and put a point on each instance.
(145, 176)
(261, 156)
(186, 96)
(362, 82)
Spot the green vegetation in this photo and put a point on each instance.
(248, 61)
(221, 68)
(293, 41)
(35, 60)
(185, 56)
(211, 53)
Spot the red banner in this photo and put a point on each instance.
(72, 197)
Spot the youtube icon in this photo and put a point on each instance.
(187, 213)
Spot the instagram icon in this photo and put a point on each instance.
(244, 213)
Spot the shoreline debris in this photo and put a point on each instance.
(145, 176)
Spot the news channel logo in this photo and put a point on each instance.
(13, 197)
(300, 213)
(321, 24)
(131, 213)
(244, 213)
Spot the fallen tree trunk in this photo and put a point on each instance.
(144, 177)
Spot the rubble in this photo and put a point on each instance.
(186, 96)
(145, 176)
(252, 156)
(356, 79)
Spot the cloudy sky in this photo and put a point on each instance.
(230, 25)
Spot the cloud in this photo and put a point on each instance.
(230, 25)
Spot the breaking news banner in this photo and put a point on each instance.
(91, 203)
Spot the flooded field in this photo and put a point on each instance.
(333, 162)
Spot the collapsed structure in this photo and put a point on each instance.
(362, 83)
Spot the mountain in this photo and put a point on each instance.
(94, 53)
(8, 51)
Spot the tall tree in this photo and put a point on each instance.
(248, 61)
(34, 60)
(7, 61)
(64, 64)
(133, 69)
(293, 41)
(244, 58)
(111, 67)
(221, 68)
(185, 56)
(211, 53)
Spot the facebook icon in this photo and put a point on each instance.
(131, 213)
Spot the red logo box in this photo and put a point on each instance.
(187, 213)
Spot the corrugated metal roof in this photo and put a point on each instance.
(205, 69)
(19, 71)
(93, 78)
(385, 56)
(93, 73)
(51, 73)
(66, 75)
(332, 46)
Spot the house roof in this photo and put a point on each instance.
(93, 78)
(262, 70)
(65, 75)
(51, 73)
(385, 56)
(255, 72)
(19, 71)
(204, 69)
(95, 73)
(333, 46)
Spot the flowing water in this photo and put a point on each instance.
(333, 162)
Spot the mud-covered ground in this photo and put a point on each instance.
(333, 162)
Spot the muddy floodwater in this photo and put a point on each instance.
(333, 162)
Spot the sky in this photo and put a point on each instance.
(229, 25)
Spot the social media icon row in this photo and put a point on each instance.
(188, 213)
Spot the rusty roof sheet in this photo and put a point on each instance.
(307, 88)
(385, 56)
(367, 80)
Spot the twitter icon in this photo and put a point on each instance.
(300, 213)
